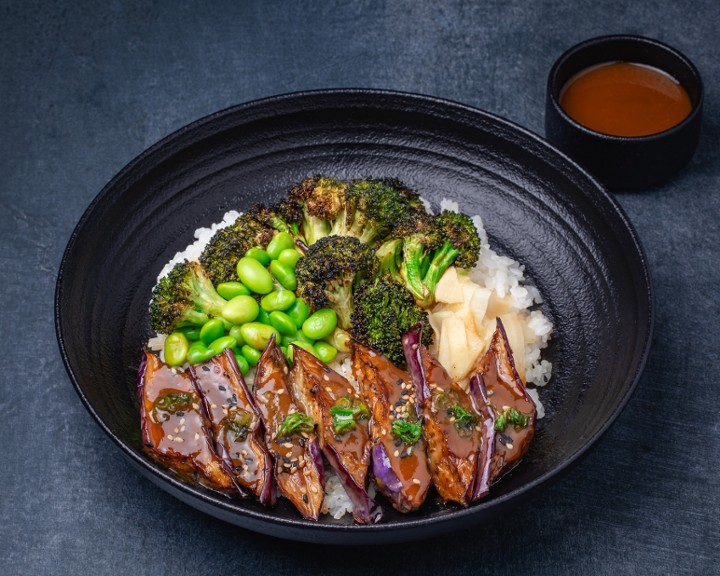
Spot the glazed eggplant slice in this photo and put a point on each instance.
(398, 449)
(513, 410)
(342, 419)
(236, 425)
(174, 427)
(483, 471)
(289, 435)
(451, 424)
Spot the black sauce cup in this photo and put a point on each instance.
(622, 162)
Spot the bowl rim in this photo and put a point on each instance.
(658, 45)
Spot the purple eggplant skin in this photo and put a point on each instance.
(401, 472)
(316, 389)
(229, 404)
(495, 373)
(450, 423)
(175, 430)
(478, 395)
(299, 471)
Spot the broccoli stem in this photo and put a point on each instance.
(441, 261)
(412, 268)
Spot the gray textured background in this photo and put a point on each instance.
(86, 86)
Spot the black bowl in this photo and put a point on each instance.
(625, 162)
(538, 207)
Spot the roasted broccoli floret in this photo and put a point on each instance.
(329, 272)
(420, 236)
(384, 311)
(372, 208)
(460, 246)
(318, 200)
(412, 199)
(185, 296)
(229, 244)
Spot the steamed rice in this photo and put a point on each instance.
(500, 274)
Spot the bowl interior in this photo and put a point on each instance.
(537, 206)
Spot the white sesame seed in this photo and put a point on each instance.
(197, 436)
(178, 439)
(196, 406)
(176, 430)
(416, 481)
(509, 446)
(182, 421)
(396, 453)
(313, 489)
(170, 436)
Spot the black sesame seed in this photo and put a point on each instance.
(398, 443)
(504, 439)
(206, 369)
(305, 498)
(180, 413)
(222, 388)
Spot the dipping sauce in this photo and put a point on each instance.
(625, 99)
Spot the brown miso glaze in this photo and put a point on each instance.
(298, 473)
(625, 99)
(505, 389)
(317, 388)
(226, 398)
(178, 437)
(387, 391)
(452, 448)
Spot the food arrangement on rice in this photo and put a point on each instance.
(343, 343)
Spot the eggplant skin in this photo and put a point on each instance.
(496, 386)
(299, 471)
(175, 430)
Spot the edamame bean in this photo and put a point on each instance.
(229, 290)
(258, 335)
(264, 316)
(176, 349)
(217, 346)
(250, 354)
(198, 353)
(280, 300)
(299, 311)
(242, 362)
(284, 274)
(320, 323)
(211, 330)
(259, 254)
(235, 333)
(190, 332)
(254, 275)
(241, 309)
(289, 257)
(282, 323)
(325, 352)
(281, 241)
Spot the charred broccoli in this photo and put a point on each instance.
(318, 201)
(330, 270)
(384, 311)
(372, 208)
(461, 246)
(229, 244)
(185, 296)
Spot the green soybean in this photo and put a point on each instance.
(282, 323)
(254, 275)
(320, 323)
(241, 309)
(284, 274)
(242, 362)
(217, 346)
(211, 330)
(229, 290)
(235, 333)
(191, 332)
(264, 316)
(280, 300)
(289, 257)
(281, 241)
(258, 335)
(325, 352)
(259, 254)
(198, 353)
(299, 311)
(250, 354)
(176, 349)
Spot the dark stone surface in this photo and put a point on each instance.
(86, 86)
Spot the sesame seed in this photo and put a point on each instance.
(222, 388)
(196, 406)
(197, 436)
(182, 421)
(326, 378)
(313, 489)
(396, 453)
(213, 406)
(178, 439)
(328, 389)
(170, 437)
(182, 428)
(416, 481)
(509, 446)
(176, 430)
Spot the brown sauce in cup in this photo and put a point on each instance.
(625, 99)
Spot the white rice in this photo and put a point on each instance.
(499, 273)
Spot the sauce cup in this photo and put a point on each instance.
(624, 162)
